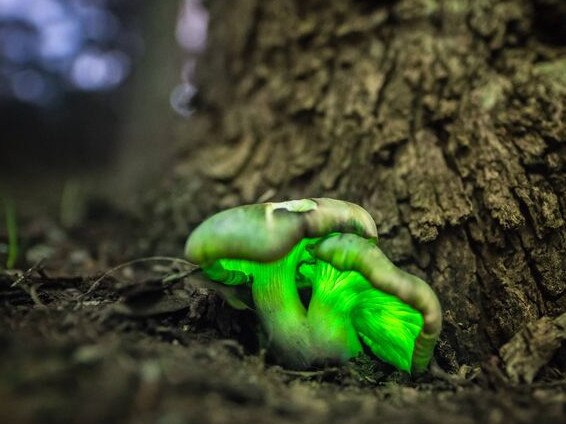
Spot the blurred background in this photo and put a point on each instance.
(91, 92)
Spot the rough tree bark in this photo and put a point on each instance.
(445, 119)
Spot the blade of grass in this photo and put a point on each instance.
(12, 228)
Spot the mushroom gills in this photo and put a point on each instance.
(345, 308)
(388, 327)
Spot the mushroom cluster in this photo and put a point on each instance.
(329, 247)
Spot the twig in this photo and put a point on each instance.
(35, 296)
(26, 274)
(97, 282)
(454, 379)
(309, 374)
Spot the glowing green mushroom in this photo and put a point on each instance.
(358, 295)
(263, 245)
(358, 290)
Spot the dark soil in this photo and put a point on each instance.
(140, 345)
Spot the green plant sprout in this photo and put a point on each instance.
(328, 246)
(12, 230)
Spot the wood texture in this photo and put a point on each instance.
(446, 120)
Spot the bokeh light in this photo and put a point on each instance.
(191, 34)
(95, 70)
(51, 47)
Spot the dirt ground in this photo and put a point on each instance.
(79, 344)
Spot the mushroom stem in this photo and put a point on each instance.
(276, 299)
(333, 336)
(282, 314)
(334, 296)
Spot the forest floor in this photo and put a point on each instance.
(79, 344)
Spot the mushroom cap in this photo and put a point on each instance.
(266, 232)
(348, 252)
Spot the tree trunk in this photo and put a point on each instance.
(146, 140)
(445, 119)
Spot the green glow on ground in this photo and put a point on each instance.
(344, 311)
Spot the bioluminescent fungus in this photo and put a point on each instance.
(262, 245)
(357, 290)
(329, 246)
